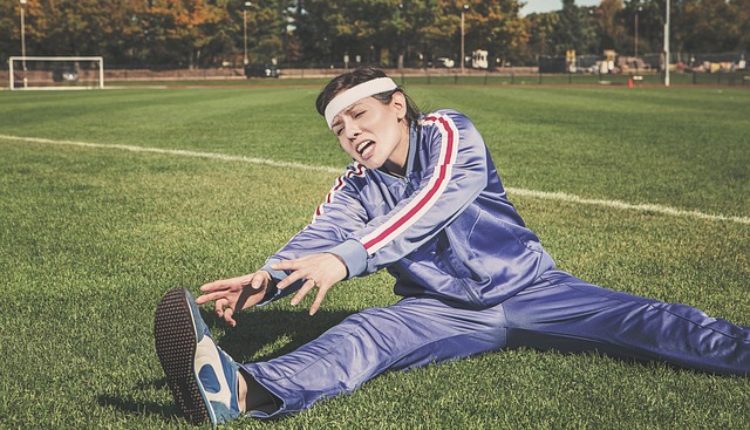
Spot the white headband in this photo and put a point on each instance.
(347, 97)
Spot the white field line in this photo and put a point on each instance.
(559, 196)
(178, 152)
(617, 204)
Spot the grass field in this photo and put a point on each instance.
(91, 237)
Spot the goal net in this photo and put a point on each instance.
(55, 72)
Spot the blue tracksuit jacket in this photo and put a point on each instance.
(446, 229)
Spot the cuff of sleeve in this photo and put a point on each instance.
(354, 256)
(272, 293)
(276, 275)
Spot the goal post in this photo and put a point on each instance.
(35, 72)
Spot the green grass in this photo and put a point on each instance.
(91, 238)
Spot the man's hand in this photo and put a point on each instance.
(234, 295)
(318, 270)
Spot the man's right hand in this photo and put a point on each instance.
(235, 294)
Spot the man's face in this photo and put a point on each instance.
(372, 132)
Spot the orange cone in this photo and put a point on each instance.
(630, 83)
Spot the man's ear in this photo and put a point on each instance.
(398, 102)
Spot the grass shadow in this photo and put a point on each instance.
(153, 384)
(260, 328)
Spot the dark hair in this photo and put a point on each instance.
(356, 77)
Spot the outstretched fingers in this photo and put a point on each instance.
(228, 317)
(223, 308)
(292, 278)
(306, 288)
(322, 270)
(219, 306)
(322, 291)
(258, 280)
(210, 297)
(219, 285)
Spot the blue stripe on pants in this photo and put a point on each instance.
(559, 311)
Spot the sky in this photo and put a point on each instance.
(550, 5)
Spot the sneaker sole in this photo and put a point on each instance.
(175, 338)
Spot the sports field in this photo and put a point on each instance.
(124, 194)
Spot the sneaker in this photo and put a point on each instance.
(202, 377)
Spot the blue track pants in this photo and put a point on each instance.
(559, 311)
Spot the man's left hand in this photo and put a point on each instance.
(320, 271)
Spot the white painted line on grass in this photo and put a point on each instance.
(617, 204)
(559, 196)
(178, 152)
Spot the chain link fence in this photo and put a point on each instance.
(726, 69)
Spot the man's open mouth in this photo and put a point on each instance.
(364, 145)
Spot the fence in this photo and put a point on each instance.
(532, 76)
(562, 79)
(504, 76)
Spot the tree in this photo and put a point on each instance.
(650, 23)
(541, 29)
(10, 30)
(318, 27)
(186, 28)
(495, 25)
(612, 31)
(440, 37)
(575, 29)
(714, 24)
(199, 33)
(742, 14)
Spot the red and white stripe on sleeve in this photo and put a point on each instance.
(426, 197)
(356, 169)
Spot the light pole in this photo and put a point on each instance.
(463, 13)
(635, 47)
(23, 42)
(244, 20)
(666, 48)
(400, 64)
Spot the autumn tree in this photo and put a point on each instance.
(612, 32)
(203, 33)
(440, 36)
(491, 25)
(541, 26)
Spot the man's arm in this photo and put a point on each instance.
(340, 214)
(457, 173)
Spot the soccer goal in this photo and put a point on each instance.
(56, 73)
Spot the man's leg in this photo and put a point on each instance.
(564, 313)
(413, 332)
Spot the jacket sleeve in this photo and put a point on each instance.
(456, 174)
(340, 214)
